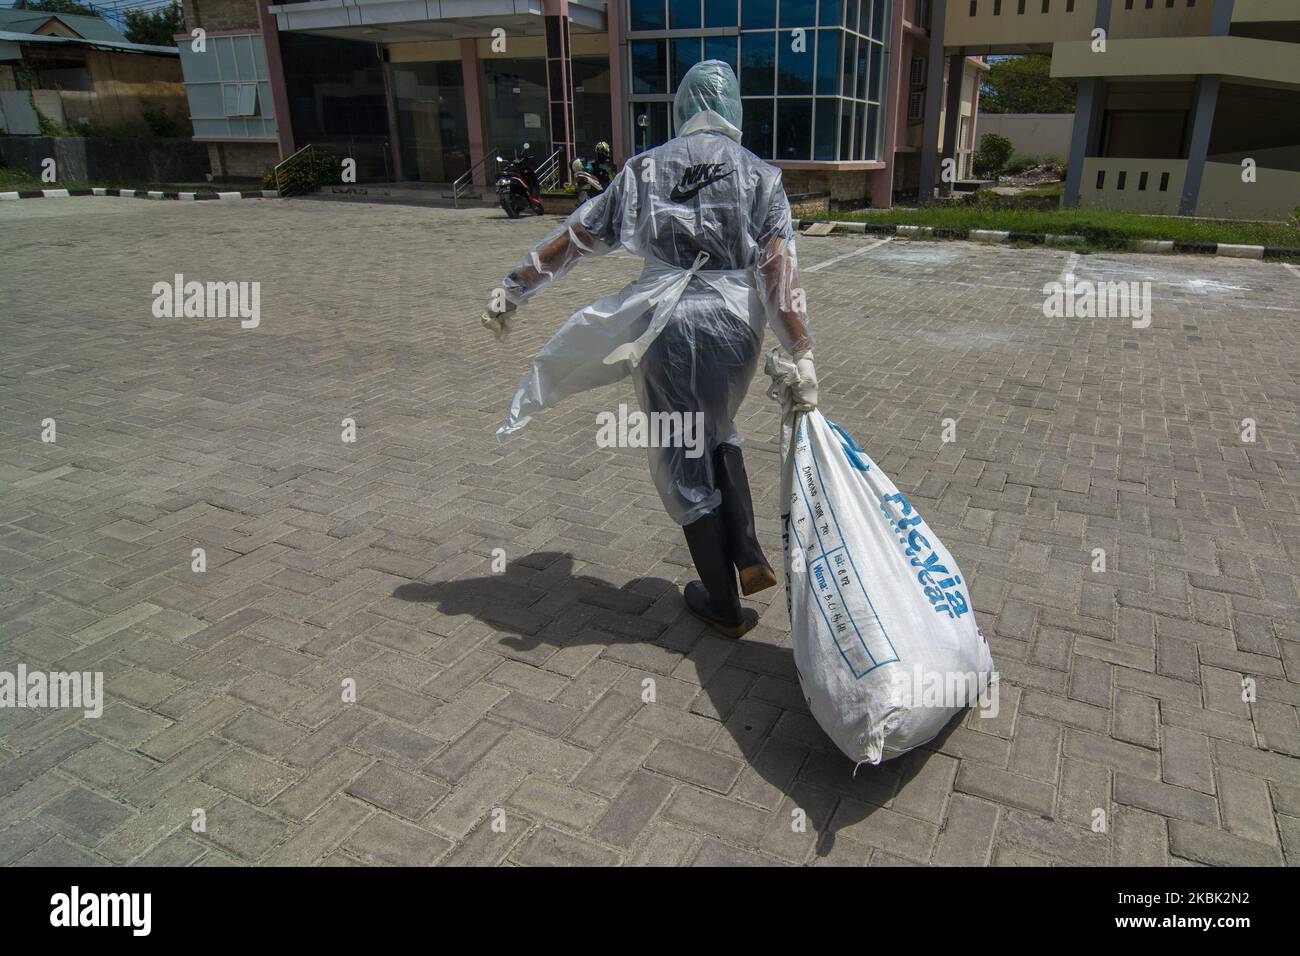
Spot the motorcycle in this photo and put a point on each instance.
(517, 186)
(590, 179)
(586, 182)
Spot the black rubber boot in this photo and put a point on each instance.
(737, 512)
(714, 597)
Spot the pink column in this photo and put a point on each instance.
(472, 71)
(893, 112)
(617, 94)
(275, 73)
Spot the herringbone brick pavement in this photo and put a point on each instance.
(503, 718)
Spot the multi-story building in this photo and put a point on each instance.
(837, 92)
(1184, 107)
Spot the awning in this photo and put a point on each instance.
(393, 21)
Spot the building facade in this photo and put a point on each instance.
(1185, 107)
(78, 71)
(835, 92)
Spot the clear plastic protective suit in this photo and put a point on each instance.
(713, 224)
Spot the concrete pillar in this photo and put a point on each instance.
(475, 118)
(1205, 99)
(617, 85)
(893, 112)
(1221, 19)
(1089, 108)
(933, 92)
(952, 116)
(1084, 134)
(275, 73)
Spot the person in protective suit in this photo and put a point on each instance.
(713, 224)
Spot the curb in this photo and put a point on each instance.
(1229, 250)
(138, 194)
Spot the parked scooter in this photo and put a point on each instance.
(518, 188)
(593, 178)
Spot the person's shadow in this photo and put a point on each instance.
(538, 602)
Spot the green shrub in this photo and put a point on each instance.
(1018, 163)
(161, 123)
(992, 155)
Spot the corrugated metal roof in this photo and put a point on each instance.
(94, 44)
(26, 21)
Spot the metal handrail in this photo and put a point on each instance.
(550, 170)
(285, 162)
(464, 183)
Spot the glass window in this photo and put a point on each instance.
(721, 48)
(244, 58)
(851, 14)
(859, 118)
(648, 15)
(828, 61)
(757, 14)
(591, 102)
(798, 13)
(827, 123)
(847, 85)
(686, 53)
(683, 14)
(757, 130)
(873, 123)
(757, 62)
(829, 14)
(206, 100)
(429, 103)
(878, 20)
(877, 71)
(259, 58)
(720, 13)
(649, 126)
(864, 49)
(199, 67)
(226, 57)
(794, 70)
(649, 66)
(793, 128)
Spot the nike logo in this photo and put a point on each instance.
(695, 178)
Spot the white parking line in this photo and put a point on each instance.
(848, 255)
(1294, 270)
(1068, 271)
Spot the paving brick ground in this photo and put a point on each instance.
(517, 699)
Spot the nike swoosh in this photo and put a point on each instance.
(681, 195)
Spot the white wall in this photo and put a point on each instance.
(1034, 134)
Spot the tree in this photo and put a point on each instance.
(158, 27)
(60, 6)
(1023, 84)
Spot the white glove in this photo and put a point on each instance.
(498, 323)
(804, 391)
